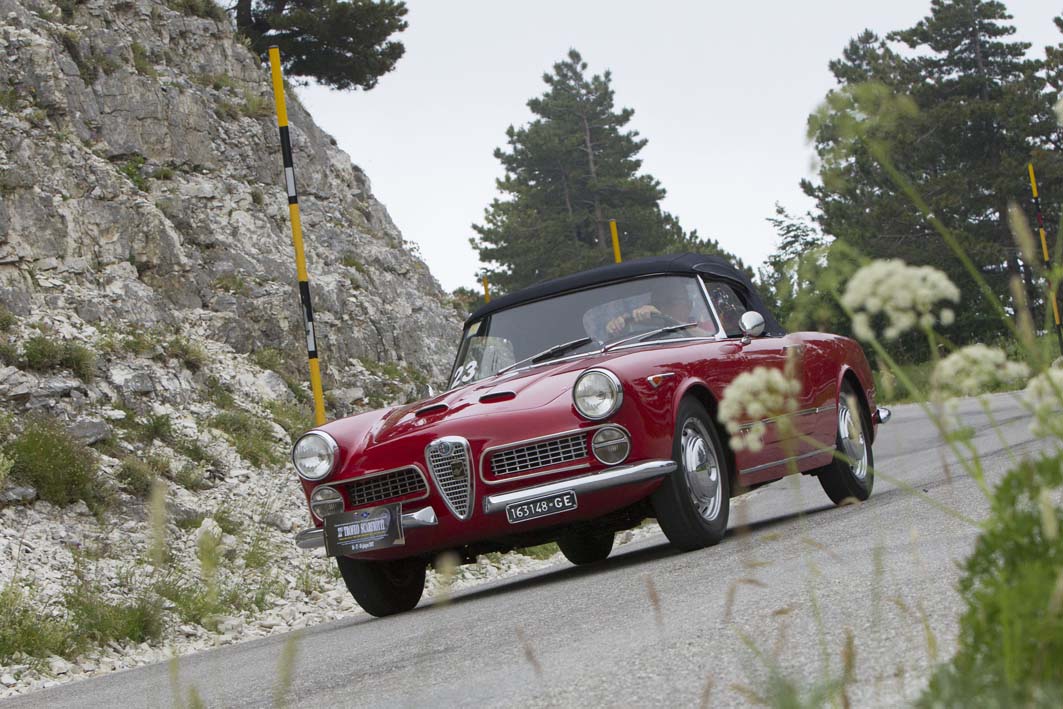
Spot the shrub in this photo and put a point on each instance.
(139, 476)
(24, 629)
(1011, 633)
(142, 61)
(42, 353)
(232, 283)
(226, 521)
(8, 354)
(293, 418)
(190, 476)
(80, 360)
(198, 8)
(543, 551)
(131, 169)
(219, 394)
(7, 319)
(61, 469)
(99, 620)
(252, 437)
(5, 468)
(190, 355)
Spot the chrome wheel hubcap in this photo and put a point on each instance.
(851, 433)
(702, 469)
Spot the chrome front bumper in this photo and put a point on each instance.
(622, 475)
(314, 538)
(588, 483)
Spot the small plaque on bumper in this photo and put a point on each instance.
(364, 530)
(541, 507)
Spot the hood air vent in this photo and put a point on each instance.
(497, 396)
(433, 409)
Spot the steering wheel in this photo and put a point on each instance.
(653, 322)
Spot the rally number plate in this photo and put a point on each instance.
(363, 530)
(541, 507)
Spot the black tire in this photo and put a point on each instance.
(852, 477)
(384, 587)
(695, 518)
(586, 547)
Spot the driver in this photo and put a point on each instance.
(668, 300)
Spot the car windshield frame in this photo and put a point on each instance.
(471, 332)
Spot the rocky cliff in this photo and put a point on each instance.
(149, 309)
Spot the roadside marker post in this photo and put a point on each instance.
(297, 236)
(487, 291)
(1044, 254)
(616, 240)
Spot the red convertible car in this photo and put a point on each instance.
(579, 407)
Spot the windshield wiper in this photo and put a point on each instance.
(548, 353)
(647, 335)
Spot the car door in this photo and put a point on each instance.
(780, 443)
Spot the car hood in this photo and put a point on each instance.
(532, 388)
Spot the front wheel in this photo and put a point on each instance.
(850, 475)
(693, 503)
(384, 587)
(586, 548)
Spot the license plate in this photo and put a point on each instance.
(363, 530)
(541, 507)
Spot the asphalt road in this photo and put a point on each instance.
(650, 626)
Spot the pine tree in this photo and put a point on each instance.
(567, 172)
(960, 109)
(344, 45)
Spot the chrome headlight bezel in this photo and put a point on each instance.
(611, 382)
(620, 443)
(330, 453)
(334, 501)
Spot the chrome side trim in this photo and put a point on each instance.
(802, 412)
(517, 444)
(610, 477)
(776, 463)
(314, 538)
(720, 334)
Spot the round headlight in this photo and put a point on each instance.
(325, 501)
(611, 445)
(314, 455)
(597, 394)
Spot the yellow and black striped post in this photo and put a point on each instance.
(297, 236)
(487, 291)
(1044, 254)
(616, 240)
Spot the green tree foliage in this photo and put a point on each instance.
(342, 44)
(958, 107)
(569, 171)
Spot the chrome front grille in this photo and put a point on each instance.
(539, 455)
(387, 486)
(450, 465)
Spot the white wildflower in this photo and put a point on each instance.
(976, 369)
(1044, 394)
(905, 295)
(752, 396)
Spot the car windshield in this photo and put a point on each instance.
(585, 321)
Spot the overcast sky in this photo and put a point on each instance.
(720, 89)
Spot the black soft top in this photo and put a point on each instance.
(682, 264)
